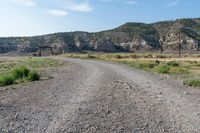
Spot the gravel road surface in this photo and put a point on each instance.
(100, 97)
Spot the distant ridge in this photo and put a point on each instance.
(130, 37)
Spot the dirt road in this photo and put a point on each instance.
(96, 97)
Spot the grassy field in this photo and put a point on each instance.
(26, 69)
(187, 67)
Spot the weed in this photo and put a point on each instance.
(118, 56)
(178, 70)
(193, 82)
(133, 56)
(163, 69)
(161, 56)
(91, 56)
(108, 56)
(192, 62)
(18, 75)
(148, 56)
(33, 76)
(173, 63)
(6, 80)
(157, 61)
(21, 72)
(197, 64)
(147, 65)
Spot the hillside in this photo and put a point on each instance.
(130, 37)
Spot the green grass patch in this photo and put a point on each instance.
(178, 70)
(193, 82)
(33, 76)
(6, 80)
(173, 63)
(25, 69)
(91, 56)
(20, 74)
(163, 69)
(148, 65)
(37, 63)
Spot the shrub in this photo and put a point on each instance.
(147, 65)
(33, 76)
(71, 55)
(186, 55)
(108, 56)
(178, 70)
(193, 82)
(161, 56)
(197, 56)
(173, 63)
(91, 56)
(6, 80)
(118, 56)
(133, 56)
(157, 61)
(163, 69)
(151, 65)
(124, 62)
(192, 62)
(148, 56)
(21, 72)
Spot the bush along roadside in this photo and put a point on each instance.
(20, 74)
(193, 82)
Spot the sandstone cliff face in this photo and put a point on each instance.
(187, 43)
(106, 45)
(130, 37)
(136, 44)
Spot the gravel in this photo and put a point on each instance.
(96, 97)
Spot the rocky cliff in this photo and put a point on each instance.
(130, 37)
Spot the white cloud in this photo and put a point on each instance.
(173, 3)
(74, 6)
(56, 12)
(131, 2)
(105, 0)
(83, 7)
(23, 3)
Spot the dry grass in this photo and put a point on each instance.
(36, 67)
(186, 66)
(44, 66)
(8, 63)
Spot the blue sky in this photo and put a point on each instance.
(36, 17)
